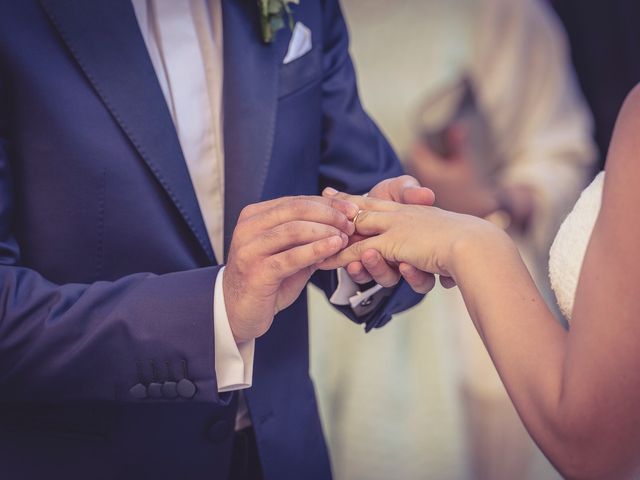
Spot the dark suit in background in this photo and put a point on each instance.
(605, 42)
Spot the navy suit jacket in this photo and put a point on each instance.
(106, 271)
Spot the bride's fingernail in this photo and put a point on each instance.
(345, 239)
(329, 191)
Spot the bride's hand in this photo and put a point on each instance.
(426, 238)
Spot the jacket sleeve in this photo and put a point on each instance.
(355, 156)
(96, 341)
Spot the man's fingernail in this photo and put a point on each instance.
(335, 241)
(354, 269)
(329, 191)
(405, 269)
(370, 258)
(353, 210)
(351, 228)
(345, 239)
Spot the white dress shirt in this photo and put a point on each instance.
(184, 41)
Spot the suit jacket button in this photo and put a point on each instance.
(138, 391)
(219, 431)
(169, 389)
(186, 388)
(155, 390)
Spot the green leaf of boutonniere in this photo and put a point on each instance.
(272, 17)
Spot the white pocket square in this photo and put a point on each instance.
(300, 43)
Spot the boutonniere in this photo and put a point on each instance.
(272, 17)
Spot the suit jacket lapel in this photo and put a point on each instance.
(250, 103)
(105, 40)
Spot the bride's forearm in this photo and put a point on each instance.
(521, 334)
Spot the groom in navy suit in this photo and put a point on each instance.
(155, 162)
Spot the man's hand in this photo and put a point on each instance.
(373, 266)
(274, 250)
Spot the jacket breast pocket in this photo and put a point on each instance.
(300, 73)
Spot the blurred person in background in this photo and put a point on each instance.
(480, 98)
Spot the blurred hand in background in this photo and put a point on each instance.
(462, 185)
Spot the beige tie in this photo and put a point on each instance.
(188, 57)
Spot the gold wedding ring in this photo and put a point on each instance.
(355, 219)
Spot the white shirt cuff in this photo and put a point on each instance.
(233, 361)
(348, 292)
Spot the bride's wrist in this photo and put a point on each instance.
(477, 246)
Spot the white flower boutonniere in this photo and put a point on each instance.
(272, 17)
